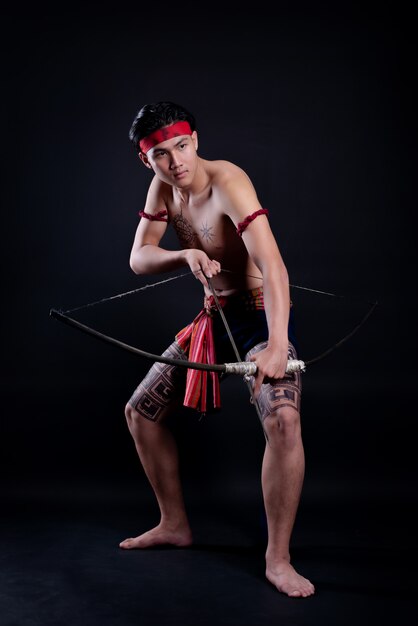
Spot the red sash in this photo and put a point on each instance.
(196, 339)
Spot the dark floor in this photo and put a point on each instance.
(60, 561)
(68, 501)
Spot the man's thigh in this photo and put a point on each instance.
(162, 386)
(286, 392)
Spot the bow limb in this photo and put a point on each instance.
(345, 338)
(228, 368)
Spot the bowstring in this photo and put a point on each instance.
(128, 293)
(172, 278)
(319, 357)
(254, 400)
(310, 289)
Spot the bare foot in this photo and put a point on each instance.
(160, 535)
(283, 576)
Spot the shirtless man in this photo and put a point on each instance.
(217, 216)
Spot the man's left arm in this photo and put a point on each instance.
(264, 251)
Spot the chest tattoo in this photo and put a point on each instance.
(184, 230)
(207, 232)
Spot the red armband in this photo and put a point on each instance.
(243, 225)
(161, 216)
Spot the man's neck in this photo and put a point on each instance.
(198, 189)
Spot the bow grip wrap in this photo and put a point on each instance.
(249, 368)
(244, 368)
(295, 365)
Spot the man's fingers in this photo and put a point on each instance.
(213, 268)
(206, 269)
(200, 275)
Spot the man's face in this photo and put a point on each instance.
(174, 161)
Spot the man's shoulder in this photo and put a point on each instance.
(158, 186)
(224, 172)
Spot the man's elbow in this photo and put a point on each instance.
(134, 267)
(135, 264)
(284, 274)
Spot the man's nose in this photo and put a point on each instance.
(175, 161)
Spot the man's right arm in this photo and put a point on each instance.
(147, 257)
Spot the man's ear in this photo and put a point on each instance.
(144, 160)
(195, 139)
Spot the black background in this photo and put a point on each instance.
(318, 106)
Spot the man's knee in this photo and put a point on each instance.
(141, 419)
(133, 417)
(283, 425)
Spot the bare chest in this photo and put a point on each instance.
(208, 228)
(204, 227)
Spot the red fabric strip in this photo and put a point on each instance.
(197, 341)
(161, 216)
(163, 134)
(243, 225)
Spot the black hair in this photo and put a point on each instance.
(151, 117)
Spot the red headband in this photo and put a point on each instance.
(162, 134)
